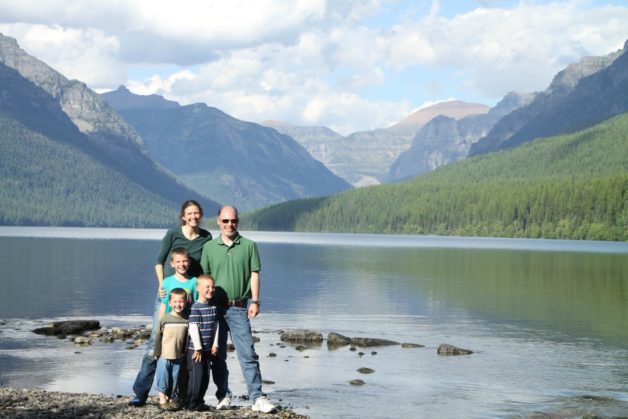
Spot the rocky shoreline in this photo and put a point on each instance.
(28, 403)
(33, 403)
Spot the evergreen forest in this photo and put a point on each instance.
(46, 182)
(572, 186)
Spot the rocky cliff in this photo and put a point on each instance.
(363, 158)
(579, 96)
(444, 140)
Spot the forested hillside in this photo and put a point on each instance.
(45, 182)
(569, 187)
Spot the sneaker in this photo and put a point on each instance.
(137, 402)
(262, 404)
(224, 404)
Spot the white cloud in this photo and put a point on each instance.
(313, 61)
(83, 54)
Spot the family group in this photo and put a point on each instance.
(207, 290)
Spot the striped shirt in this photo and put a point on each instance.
(203, 324)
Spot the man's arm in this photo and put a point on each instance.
(255, 289)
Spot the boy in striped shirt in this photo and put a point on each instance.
(202, 342)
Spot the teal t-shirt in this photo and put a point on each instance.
(189, 286)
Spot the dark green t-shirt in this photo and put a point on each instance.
(231, 267)
(175, 238)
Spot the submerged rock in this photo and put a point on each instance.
(446, 349)
(357, 382)
(365, 370)
(368, 342)
(412, 345)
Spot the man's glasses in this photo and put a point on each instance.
(227, 221)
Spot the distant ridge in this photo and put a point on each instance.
(455, 109)
(234, 161)
(364, 158)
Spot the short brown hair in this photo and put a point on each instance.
(181, 251)
(178, 291)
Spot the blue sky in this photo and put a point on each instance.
(348, 65)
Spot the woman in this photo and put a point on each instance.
(191, 237)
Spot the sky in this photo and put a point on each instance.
(348, 65)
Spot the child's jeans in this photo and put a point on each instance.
(167, 375)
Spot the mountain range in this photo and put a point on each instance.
(233, 161)
(75, 134)
(72, 157)
(363, 158)
(572, 186)
(444, 140)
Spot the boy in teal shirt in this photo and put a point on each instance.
(180, 261)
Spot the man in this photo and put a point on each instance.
(234, 263)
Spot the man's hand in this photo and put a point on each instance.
(214, 350)
(253, 310)
(196, 356)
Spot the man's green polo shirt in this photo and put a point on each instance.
(231, 267)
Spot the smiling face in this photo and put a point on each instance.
(177, 302)
(191, 216)
(205, 287)
(228, 222)
(180, 263)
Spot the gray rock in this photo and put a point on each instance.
(69, 327)
(336, 339)
(368, 342)
(357, 382)
(446, 349)
(82, 340)
(302, 336)
(412, 345)
(365, 370)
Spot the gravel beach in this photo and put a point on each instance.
(31, 403)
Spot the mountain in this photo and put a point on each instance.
(363, 158)
(444, 140)
(573, 186)
(236, 162)
(580, 96)
(455, 109)
(52, 176)
(104, 135)
(315, 139)
(122, 98)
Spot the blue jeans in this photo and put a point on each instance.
(236, 320)
(144, 380)
(167, 375)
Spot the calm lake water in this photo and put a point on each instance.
(547, 320)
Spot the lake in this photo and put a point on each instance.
(546, 319)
